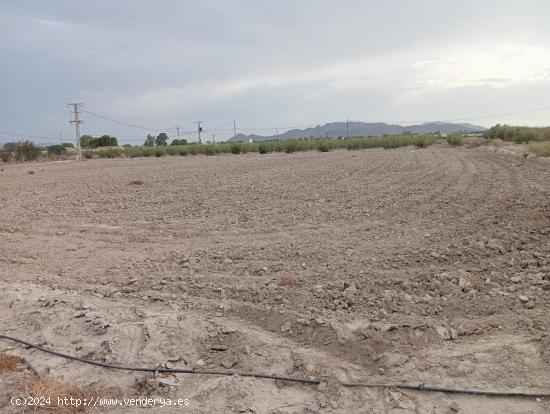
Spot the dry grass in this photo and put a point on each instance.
(473, 142)
(497, 143)
(10, 362)
(542, 149)
(287, 280)
(44, 387)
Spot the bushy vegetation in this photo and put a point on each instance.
(181, 141)
(288, 146)
(388, 142)
(109, 153)
(87, 141)
(5, 156)
(235, 148)
(456, 139)
(160, 140)
(59, 149)
(158, 147)
(20, 151)
(263, 147)
(103, 153)
(517, 134)
(323, 146)
(542, 149)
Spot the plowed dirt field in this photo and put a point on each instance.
(410, 265)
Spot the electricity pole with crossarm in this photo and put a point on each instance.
(77, 122)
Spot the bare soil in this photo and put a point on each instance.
(417, 265)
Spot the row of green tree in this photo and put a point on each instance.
(87, 141)
(20, 151)
(518, 134)
(28, 150)
(59, 149)
(162, 139)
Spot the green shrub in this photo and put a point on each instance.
(181, 141)
(517, 134)
(323, 146)
(525, 135)
(209, 150)
(235, 148)
(24, 150)
(87, 141)
(109, 153)
(352, 144)
(423, 141)
(5, 156)
(88, 154)
(291, 146)
(56, 149)
(264, 147)
(456, 139)
(249, 147)
(134, 152)
(171, 150)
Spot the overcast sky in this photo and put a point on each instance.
(270, 63)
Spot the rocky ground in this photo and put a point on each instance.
(418, 265)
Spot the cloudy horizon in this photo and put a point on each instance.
(266, 65)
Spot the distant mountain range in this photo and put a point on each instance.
(363, 129)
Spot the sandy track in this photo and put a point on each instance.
(426, 254)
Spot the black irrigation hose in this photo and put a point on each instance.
(169, 370)
(433, 388)
(418, 387)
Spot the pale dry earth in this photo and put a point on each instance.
(418, 265)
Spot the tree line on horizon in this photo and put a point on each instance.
(162, 139)
(26, 150)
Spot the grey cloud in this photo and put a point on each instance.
(269, 63)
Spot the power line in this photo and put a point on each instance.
(218, 127)
(473, 118)
(278, 127)
(18, 134)
(275, 129)
(127, 124)
(496, 115)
